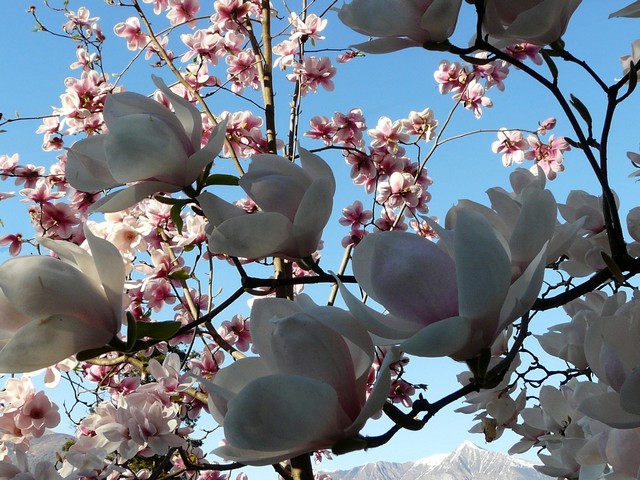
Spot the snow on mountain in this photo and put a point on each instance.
(467, 462)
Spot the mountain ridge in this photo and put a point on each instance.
(466, 462)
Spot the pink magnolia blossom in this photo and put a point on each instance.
(451, 77)
(53, 308)
(130, 29)
(355, 215)
(37, 414)
(237, 332)
(524, 51)
(14, 241)
(166, 147)
(399, 190)
(388, 134)
(511, 145)
(473, 98)
(538, 21)
(421, 124)
(314, 72)
(307, 29)
(295, 203)
(548, 156)
(183, 11)
(307, 389)
(350, 127)
(400, 24)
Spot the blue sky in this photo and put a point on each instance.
(34, 65)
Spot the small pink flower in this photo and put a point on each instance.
(421, 124)
(511, 145)
(237, 332)
(131, 31)
(37, 414)
(473, 98)
(309, 28)
(314, 72)
(524, 51)
(355, 215)
(388, 134)
(399, 190)
(14, 242)
(451, 77)
(547, 156)
(321, 129)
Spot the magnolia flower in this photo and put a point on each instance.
(400, 23)
(295, 204)
(146, 143)
(51, 309)
(534, 21)
(451, 301)
(632, 11)
(611, 349)
(306, 391)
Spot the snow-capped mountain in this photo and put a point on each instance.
(467, 462)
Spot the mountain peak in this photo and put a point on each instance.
(467, 461)
(467, 445)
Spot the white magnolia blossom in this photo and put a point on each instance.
(306, 391)
(400, 23)
(147, 144)
(53, 308)
(534, 21)
(295, 205)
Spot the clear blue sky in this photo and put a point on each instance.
(34, 66)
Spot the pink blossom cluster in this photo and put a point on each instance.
(400, 183)
(25, 413)
(548, 156)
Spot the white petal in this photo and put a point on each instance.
(87, 169)
(275, 184)
(356, 336)
(207, 154)
(121, 105)
(257, 235)
(111, 269)
(606, 409)
(218, 210)
(632, 10)
(535, 225)
(41, 286)
(439, 339)
(630, 393)
(440, 19)
(129, 196)
(229, 381)
(47, 341)
(314, 211)
(283, 412)
(188, 115)
(315, 166)
(385, 45)
(379, 393)
(484, 268)
(144, 147)
(262, 312)
(524, 291)
(384, 326)
(408, 275)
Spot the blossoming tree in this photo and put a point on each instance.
(139, 218)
